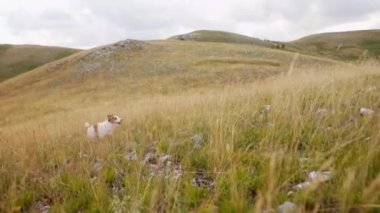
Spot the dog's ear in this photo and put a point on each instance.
(110, 116)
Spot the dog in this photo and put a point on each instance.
(104, 128)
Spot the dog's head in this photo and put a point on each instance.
(114, 119)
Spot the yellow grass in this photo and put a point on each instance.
(254, 158)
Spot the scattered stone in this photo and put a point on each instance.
(290, 193)
(128, 44)
(187, 37)
(287, 207)
(371, 88)
(107, 51)
(131, 156)
(322, 111)
(93, 179)
(178, 172)
(265, 110)
(118, 186)
(164, 160)
(201, 179)
(132, 153)
(366, 111)
(165, 166)
(302, 185)
(197, 140)
(43, 205)
(97, 166)
(304, 159)
(269, 124)
(82, 155)
(150, 158)
(319, 176)
(100, 58)
(313, 177)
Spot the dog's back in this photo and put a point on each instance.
(91, 130)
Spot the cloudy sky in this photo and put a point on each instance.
(89, 23)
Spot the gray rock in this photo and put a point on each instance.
(197, 141)
(366, 111)
(302, 185)
(42, 208)
(287, 207)
(201, 179)
(131, 156)
(314, 176)
(165, 159)
(178, 173)
(319, 176)
(265, 110)
(97, 166)
(322, 111)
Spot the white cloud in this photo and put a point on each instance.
(88, 23)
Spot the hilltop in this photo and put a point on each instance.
(17, 59)
(219, 36)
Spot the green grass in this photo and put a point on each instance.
(18, 59)
(214, 62)
(372, 46)
(64, 53)
(3, 48)
(326, 44)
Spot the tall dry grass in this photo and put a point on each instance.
(254, 157)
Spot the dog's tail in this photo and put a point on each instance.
(87, 125)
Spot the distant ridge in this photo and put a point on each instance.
(349, 45)
(17, 59)
(219, 36)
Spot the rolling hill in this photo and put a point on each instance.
(160, 66)
(345, 46)
(353, 45)
(17, 59)
(349, 45)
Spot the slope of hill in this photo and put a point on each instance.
(16, 59)
(160, 66)
(219, 36)
(208, 127)
(349, 45)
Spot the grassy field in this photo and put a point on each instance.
(248, 157)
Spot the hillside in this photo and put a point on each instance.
(349, 45)
(219, 36)
(160, 66)
(17, 59)
(208, 127)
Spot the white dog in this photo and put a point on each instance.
(104, 128)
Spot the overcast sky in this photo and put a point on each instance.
(89, 23)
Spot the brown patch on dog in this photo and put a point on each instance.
(96, 128)
(111, 118)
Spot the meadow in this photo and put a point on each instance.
(237, 147)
